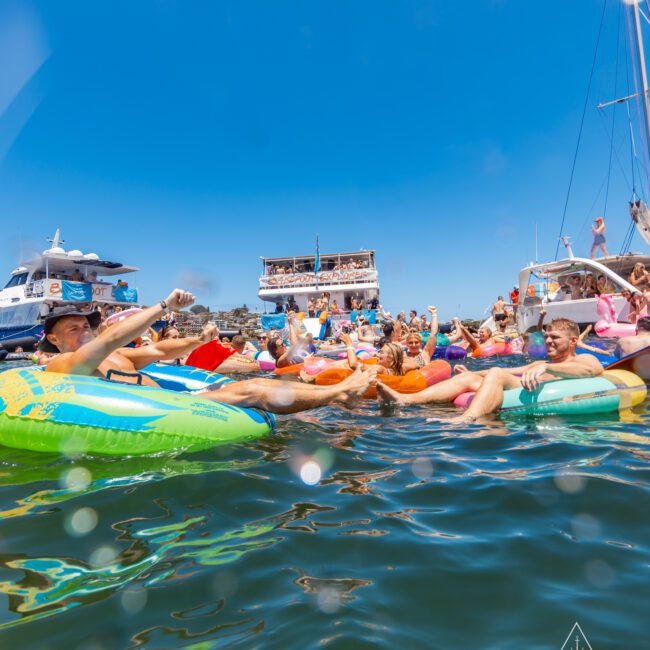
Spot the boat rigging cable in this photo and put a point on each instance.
(582, 122)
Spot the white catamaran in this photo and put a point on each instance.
(547, 286)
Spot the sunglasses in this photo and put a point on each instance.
(262, 338)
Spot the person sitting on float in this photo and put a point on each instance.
(561, 339)
(289, 355)
(69, 334)
(468, 341)
(417, 356)
(638, 304)
(630, 344)
(365, 332)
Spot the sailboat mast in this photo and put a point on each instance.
(642, 69)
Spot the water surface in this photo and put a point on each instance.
(416, 534)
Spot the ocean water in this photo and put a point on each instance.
(377, 528)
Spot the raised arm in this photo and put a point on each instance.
(169, 349)
(430, 346)
(464, 332)
(540, 322)
(349, 348)
(89, 356)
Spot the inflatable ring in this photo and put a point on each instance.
(531, 291)
(412, 382)
(614, 390)
(53, 412)
(501, 348)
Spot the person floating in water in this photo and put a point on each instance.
(561, 339)
(599, 238)
(69, 336)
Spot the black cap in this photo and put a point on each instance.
(94, 319)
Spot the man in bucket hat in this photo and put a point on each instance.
(70, 333)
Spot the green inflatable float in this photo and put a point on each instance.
(52, 412)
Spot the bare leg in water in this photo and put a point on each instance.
(489, 392)
(445, 391)
(285, 397)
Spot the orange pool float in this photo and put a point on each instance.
(412, 382)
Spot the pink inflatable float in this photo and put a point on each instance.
(122, 315)
(607, 326)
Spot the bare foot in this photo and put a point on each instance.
(308, 379)
(386, 394)
(353, 388)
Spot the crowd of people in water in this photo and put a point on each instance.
(101, 341)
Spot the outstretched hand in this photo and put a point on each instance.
(179, 299)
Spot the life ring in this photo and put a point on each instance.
(56, 412)
(412, 382)
(614, 390)
(531, 291)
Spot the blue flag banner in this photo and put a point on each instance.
(124, 294)
(275, 321)
(317, 261)
(77, 291)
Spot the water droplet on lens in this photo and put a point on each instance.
(422, 468)
(284, 395)
(599, 573)
(329, 600)
(569, 483)
(585, 527)
(102, 556)
(310, 472)
(81, 522)
(77, 479)
(133, 601)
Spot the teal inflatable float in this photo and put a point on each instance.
(52, 412)
(614, 390)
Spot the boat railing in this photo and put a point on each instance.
(323, 278)
(69, 290)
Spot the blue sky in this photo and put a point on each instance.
(190, 138)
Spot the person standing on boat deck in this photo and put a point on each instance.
(561, 339)
(499, 310)
(599, 238)
(69, 334)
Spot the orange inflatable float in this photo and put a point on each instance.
(412, 382)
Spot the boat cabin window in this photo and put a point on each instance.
(17, 280)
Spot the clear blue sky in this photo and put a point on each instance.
(190, 138)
